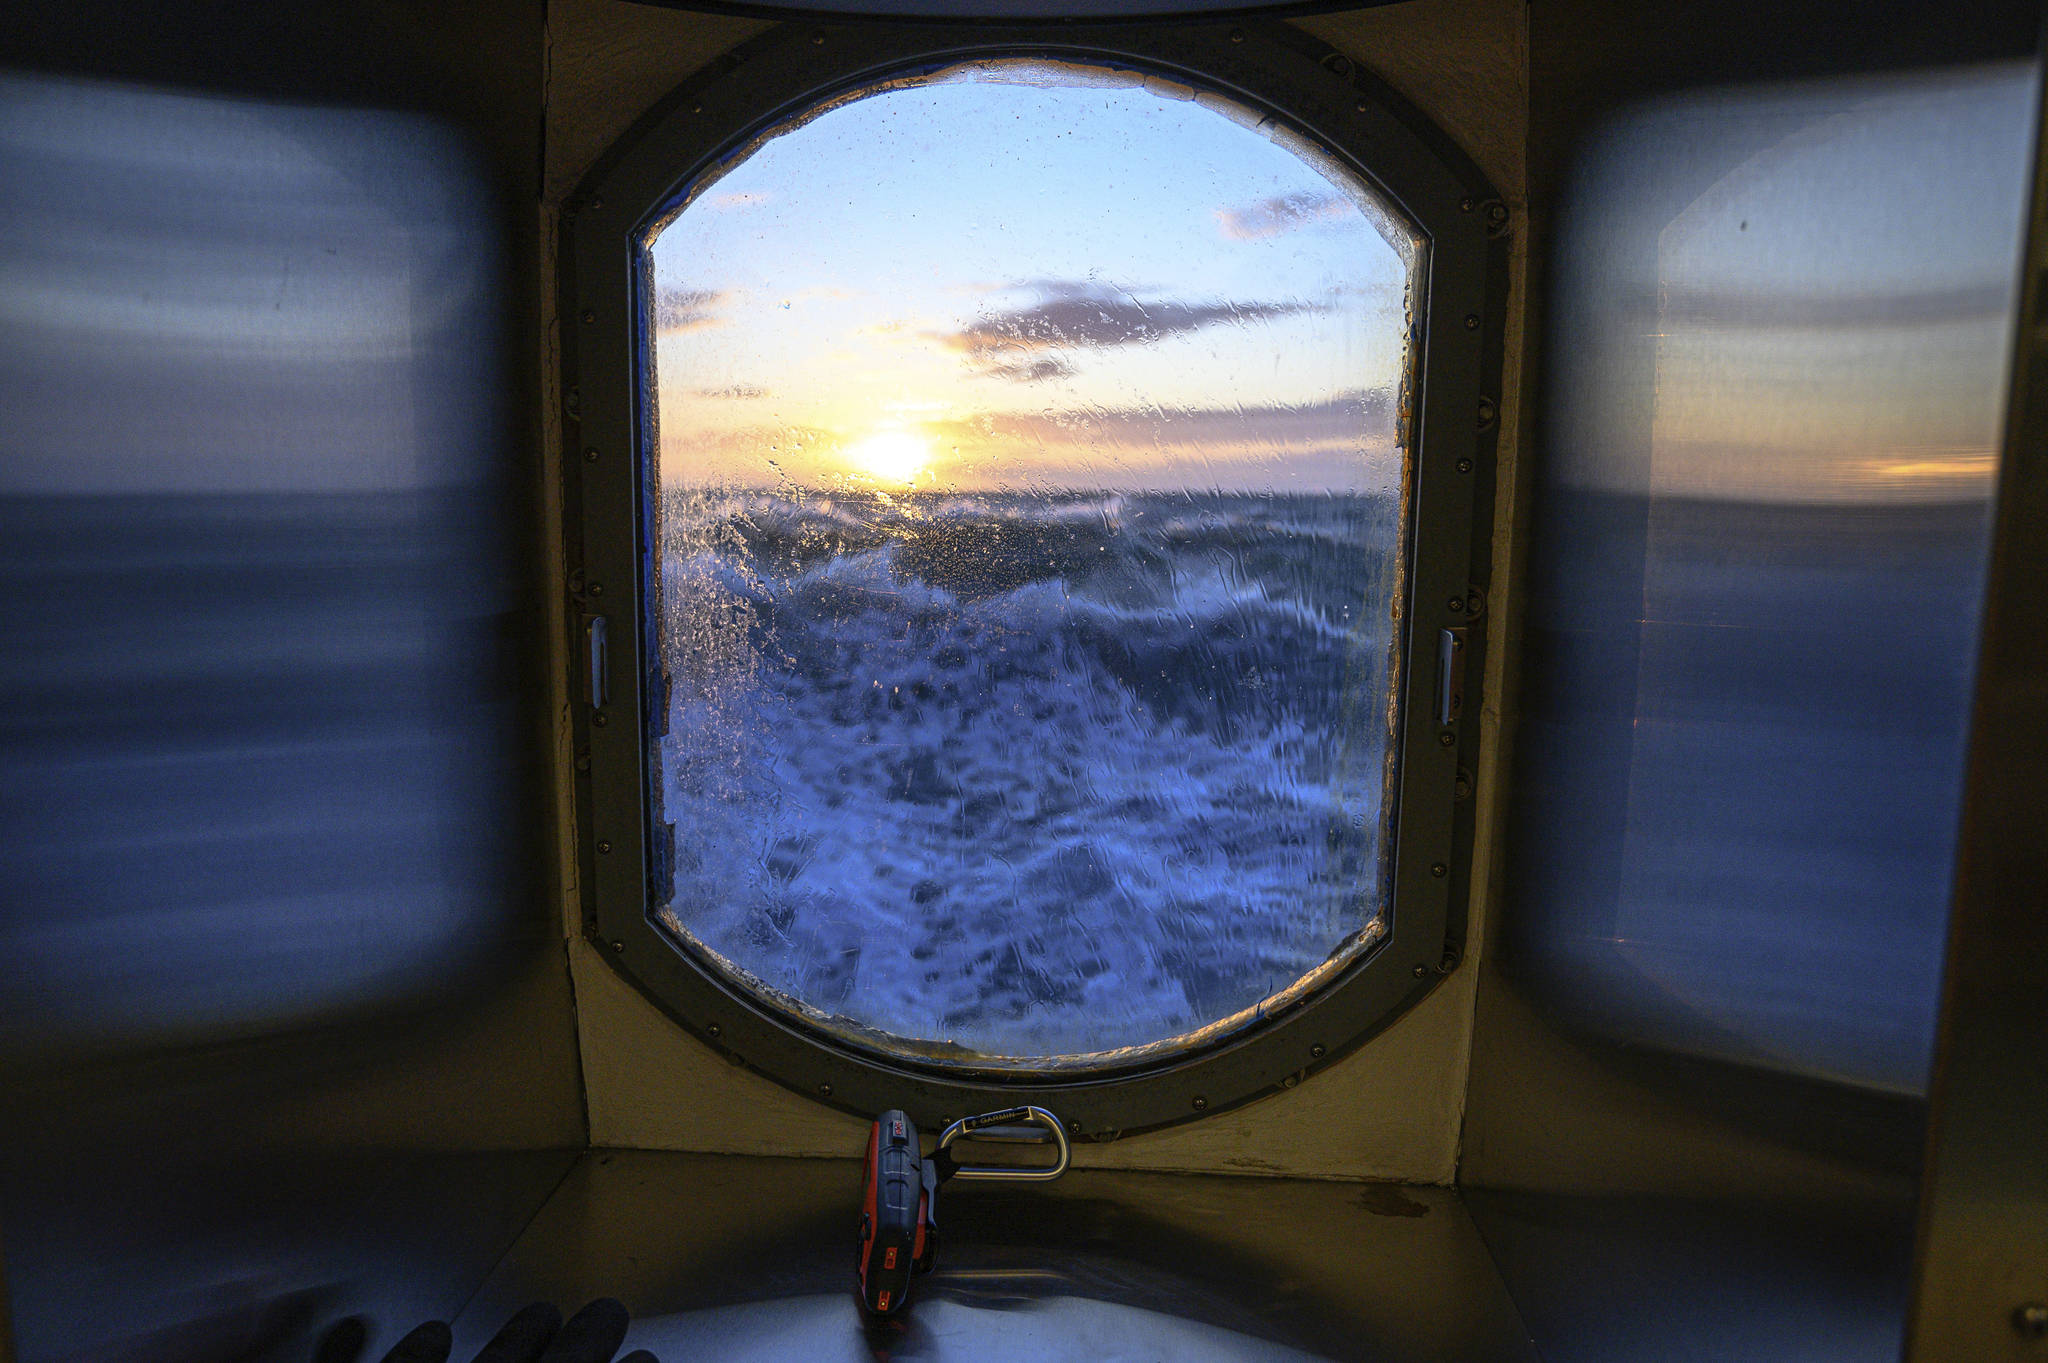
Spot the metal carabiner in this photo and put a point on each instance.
(1020, 1125)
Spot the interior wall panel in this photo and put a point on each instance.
(1772, 371)
(285, 1022)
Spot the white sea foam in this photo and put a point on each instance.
(1028, 777)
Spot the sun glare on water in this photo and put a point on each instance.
(892, 457)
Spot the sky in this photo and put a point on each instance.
(1020, 275)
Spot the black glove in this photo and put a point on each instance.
(535, 1335)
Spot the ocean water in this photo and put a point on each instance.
(1023, 776)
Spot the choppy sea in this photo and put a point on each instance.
(1018, 775)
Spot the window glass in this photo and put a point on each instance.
(1031, 480)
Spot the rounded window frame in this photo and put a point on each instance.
(607, 419)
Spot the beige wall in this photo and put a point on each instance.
(1391, 1110)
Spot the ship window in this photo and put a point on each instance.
(1028, 538)
(1027, 459)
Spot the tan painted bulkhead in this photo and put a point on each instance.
(1393, 1109)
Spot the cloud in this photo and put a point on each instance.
(1029, 371)
(1281, 213)
(1235, 431)
(1346, 442)
(688, 309)
(1074, 313)
(704, 450)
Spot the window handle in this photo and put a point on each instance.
(600, 676)
(1450, 676)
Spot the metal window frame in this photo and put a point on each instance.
(606, 418)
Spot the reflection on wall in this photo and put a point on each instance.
(254, 755)
(1778, 362)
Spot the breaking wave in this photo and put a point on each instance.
(1019, 776)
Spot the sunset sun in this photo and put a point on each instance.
(894, 457)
